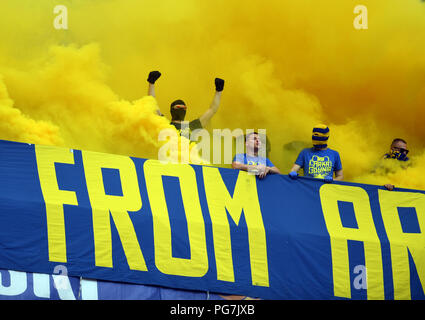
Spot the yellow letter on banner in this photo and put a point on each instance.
(401, 242)
(197, 265)
(244, 197)
(118, 206)
(54, 198)
(330, 194)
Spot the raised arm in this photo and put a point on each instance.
(206, 117)
(153, 76)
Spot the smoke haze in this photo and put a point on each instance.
(288, 65)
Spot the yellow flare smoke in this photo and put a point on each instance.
(288, 65)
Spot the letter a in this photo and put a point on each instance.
(360, 21)
(61, 21)
(360, 281)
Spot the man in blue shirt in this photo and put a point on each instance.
(251, 161)
(319, 162)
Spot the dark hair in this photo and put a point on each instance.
(398, 140)
(248, 134)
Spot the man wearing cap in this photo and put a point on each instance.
(178, 107)
(320, 161)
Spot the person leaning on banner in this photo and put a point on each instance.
(398, 151)
(251, 161)
(178, 107)
(320, 161)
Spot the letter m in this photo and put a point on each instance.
(245, 198)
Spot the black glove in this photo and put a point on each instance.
(219, 84)
(153, 76)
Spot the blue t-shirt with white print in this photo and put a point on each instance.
(319, 163)
(252, 160)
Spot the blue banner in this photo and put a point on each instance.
(201, 228)
(18, 285)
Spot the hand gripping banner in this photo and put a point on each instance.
(139, 221)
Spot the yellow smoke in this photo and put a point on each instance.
(288, 65)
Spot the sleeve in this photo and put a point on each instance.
(300, 159)
(239, 158)
(338, 164)
(269, 163)
(195, 124)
